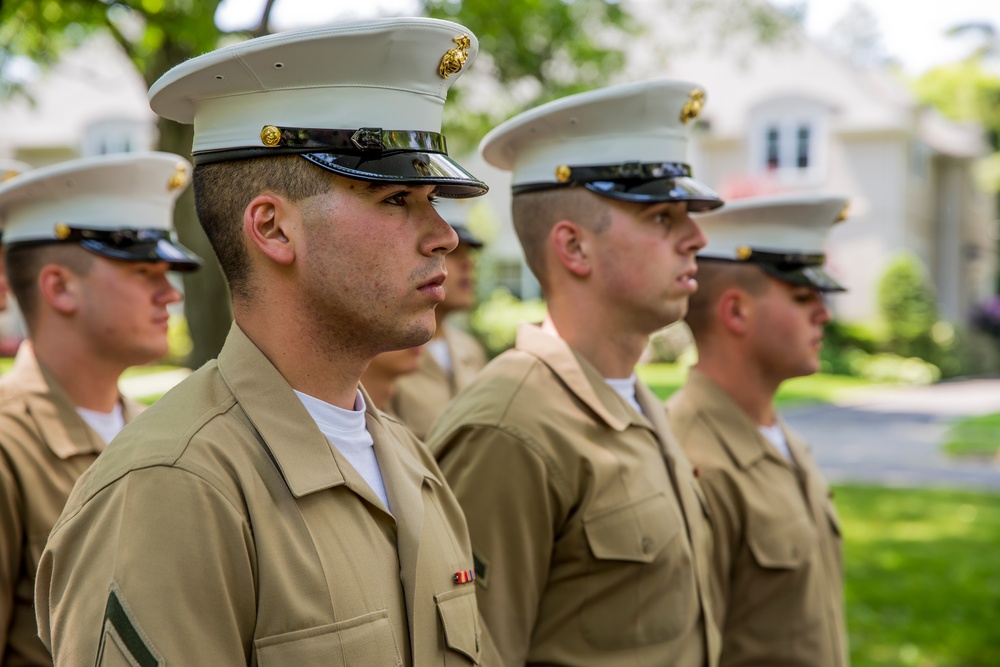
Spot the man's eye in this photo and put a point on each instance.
(803, 297)
(398, 199)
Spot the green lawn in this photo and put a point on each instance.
(974, 436)
(923, 576)
(665, 379)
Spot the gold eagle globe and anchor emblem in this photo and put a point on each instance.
(179, 178)
(694, 105)
(453, 60)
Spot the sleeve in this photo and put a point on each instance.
(726, 534)
(508, 495)
(157, 568)
(11, 544)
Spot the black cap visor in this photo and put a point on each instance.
(405, 168)
(467, 237)
(163, 250)
(814, 276)
(699, 197)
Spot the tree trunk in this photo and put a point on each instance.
(207, 303)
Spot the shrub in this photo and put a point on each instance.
(907, 305)
(495, 319)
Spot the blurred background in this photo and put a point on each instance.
(896, 105)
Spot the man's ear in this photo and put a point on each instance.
(268, 222)
(734, 310)
(571, 247)
(60, 288)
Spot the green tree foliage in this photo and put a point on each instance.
(969, 90)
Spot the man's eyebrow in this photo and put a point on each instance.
(378, 186)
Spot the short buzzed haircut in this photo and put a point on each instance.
(23, 264)
(535, 213)
(222, 191)
(715, 277)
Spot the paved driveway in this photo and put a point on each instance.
(893, 437)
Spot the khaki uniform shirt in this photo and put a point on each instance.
(44, 447)
(422, 396)
(778, 583)
(223, 529)
(590, 539)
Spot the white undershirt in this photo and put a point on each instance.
(625, 387)
(347, 432)
(106, 424)
(776, 436)
(438, 348)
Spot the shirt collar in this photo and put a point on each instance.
(737, 432)
(60, 427)
(579, 376)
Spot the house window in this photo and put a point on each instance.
(802, 147)
(773, 148)
(788, 146)
(118, 136)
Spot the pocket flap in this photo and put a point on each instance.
(635, 532)
(783, 546)
(460, 620)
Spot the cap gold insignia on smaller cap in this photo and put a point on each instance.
(62, 231)
(843, 213)
(453, 59)
(179, 178)
(270, 136)
(743, 253)
(694, 105)
(563, 173)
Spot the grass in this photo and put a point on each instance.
(974, 436)
(665, 379)
(923, 585)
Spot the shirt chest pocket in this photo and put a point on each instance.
(634, 532)
(640, 586)
(366, 640)
(782, 545)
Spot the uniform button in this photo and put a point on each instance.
(647, 545)
(477, 641)
(829, 494)
(697, 472)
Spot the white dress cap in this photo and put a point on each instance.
(119, 206)
(784, 234)
(362, 99)
(626, 142)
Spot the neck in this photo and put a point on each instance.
(613, 351)
(744, 382)
(318, 364)
(90, 380)
(380, 387)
